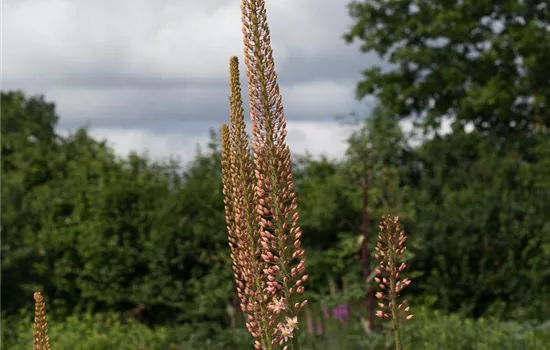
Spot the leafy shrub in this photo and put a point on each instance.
(86, 332)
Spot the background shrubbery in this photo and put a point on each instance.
(100, 234)
(430, 331)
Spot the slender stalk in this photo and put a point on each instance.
(365, 251)
(395, 319)
(390, 249)
(41, 341)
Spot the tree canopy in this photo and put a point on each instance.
(478, 61)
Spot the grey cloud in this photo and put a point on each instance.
(341, 64)
(113, 64)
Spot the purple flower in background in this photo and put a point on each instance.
(326, 313)
(313, 325)
(319, 328)
(341, 312)
(310, 324)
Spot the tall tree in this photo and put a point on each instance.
(29, 149)
(481, 217)
(479, 61)
(92, 230)
(375, 152)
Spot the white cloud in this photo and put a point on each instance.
(318, 97)
(318, 138)
(62, 40)
(65, 41)
(138, 106)
(157, 146)
(139, 70)
(145, 106)
(302, 137)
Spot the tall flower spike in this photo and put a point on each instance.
(389, 252)
(241, 218)
(276, 198)
(41, 341)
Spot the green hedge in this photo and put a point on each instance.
(428, 330)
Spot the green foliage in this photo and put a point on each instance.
(330, 198)
(101, 233)
(96, 232)
(479, 200)
(378, 152)
(482, 232)
(433, 331)
(480, 61)
(28, 145)
(430, 330)
(87, 332)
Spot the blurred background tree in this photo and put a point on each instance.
(99, 233)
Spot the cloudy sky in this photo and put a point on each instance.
(152, 74)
